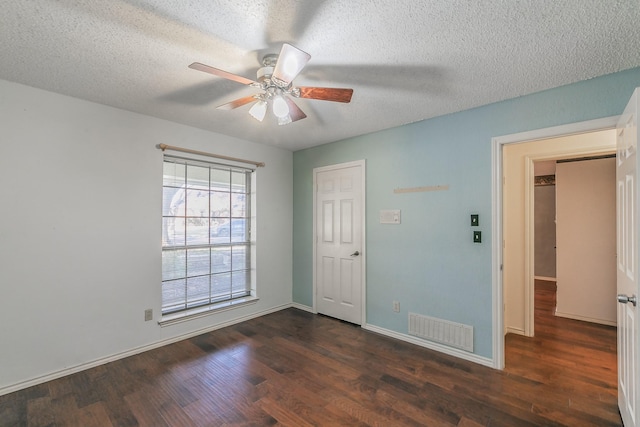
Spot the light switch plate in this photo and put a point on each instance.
(475, 220)
(390, 216)
(477, 237)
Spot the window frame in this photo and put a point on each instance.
(187, 308)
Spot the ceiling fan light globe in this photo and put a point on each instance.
(291, 67)
(291, 61)
(280, 107)
(259, 110)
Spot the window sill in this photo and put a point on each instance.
(195, 313)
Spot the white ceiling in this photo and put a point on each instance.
(407, 60)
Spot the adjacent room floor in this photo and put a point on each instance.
(299, 369)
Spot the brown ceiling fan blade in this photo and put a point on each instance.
(294, 111)
(237, 103)
(221, 73)
(291, 61)
(326, 93)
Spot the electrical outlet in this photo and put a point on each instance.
(148, 315)
(396, 306)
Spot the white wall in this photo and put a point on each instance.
(80, 232)
(517, 202)
(586, 212)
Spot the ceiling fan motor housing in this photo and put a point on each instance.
(264, 73)
(268, 64)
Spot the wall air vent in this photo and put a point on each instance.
(441, 331)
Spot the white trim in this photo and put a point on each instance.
(471, 357)
(556, 131)
(497, 316)
(547, 279)
(529, 242)
(363, 220)
(303, 307)
(497, 144)
(586, 319)
(517, 331)
(84, 366)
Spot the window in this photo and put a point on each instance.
(206, 234)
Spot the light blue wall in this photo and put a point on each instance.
(429, 262)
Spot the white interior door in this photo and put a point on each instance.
(339, 241)
(627, 263)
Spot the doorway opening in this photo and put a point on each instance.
(575, 235)
(564, 348)
(512, 242)
(519, 217)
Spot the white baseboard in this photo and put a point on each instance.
(517, 331)
(84, 366)
(586, 319)
(431, 345)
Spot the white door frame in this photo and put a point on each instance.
(497, 144)
(363, 245)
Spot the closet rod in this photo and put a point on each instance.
(164, 147)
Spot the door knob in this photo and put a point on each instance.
(356, 253)
(623, 299)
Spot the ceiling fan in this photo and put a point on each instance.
(275, 79)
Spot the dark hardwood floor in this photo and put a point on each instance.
(298, 369)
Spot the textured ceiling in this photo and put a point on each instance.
(406, 60)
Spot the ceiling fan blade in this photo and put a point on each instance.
(291, 61)
(294, 111)
(237, 103)
(221, 73)
(326, 94)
